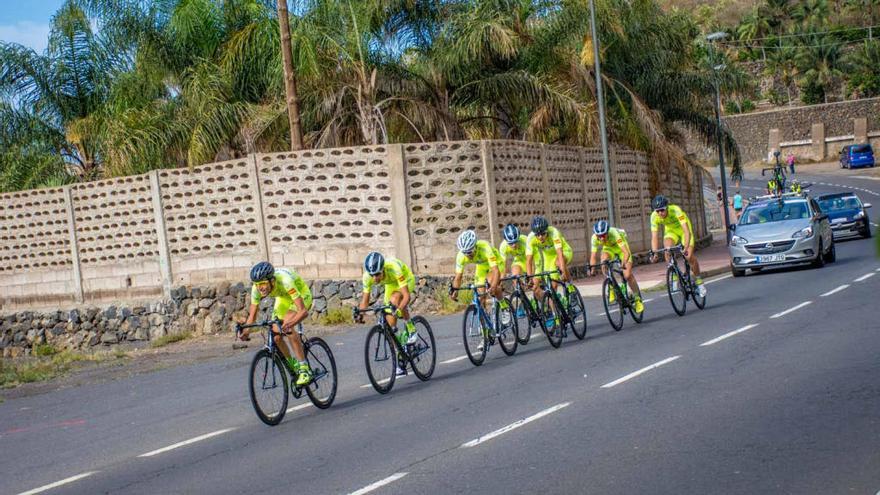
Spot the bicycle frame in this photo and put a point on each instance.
(381, 320)
(611, 268)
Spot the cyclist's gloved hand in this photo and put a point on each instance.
(451, 290)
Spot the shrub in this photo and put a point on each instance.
(336, 316)
(170, 339)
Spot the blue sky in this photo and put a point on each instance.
(27, 21)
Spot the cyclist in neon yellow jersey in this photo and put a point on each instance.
(513, 247)
(400, 290)
(486, 259)
(614, 244)
(546, 249)
(677, 229)
(289, 291)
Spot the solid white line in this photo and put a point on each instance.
(514, 425)
(789, 310)
(459, 358)
(187, 442)
(58, 483)
(379, 484)
(835, 291)
(639, 372)
(717, 279)
(729, 334)
(299, 407)
(865, 276)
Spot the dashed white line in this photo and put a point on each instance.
(729, 334)
(186, 442)
(789, 310)
(718, 279)
(379, 484)
(299, 407)
(514, 425)
(453, 360)
(639, 372)
(835, 291)
(58, 483)
(382, 382)
(865, 276)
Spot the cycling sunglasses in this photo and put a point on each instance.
(660, 210)
(261, 284)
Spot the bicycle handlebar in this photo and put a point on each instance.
(677, 247)
(265, 323)
(484, 285)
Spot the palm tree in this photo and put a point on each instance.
(861, 66)
(868, 10)
(819, 63)
(812, 13)
(755, 25)
(289, 78)
(781, 65)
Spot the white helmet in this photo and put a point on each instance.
(467, 240)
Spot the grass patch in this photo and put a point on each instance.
(336, 316)
(170, 339)
(448, 304)
(37, 369)
(43, 350)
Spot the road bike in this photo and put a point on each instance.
(680, 283)
(271, 378)
(624, 299)
(778, 172)
(383, 352)
(480, 330)
(524, 309)
(560, 312)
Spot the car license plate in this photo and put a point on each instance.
(770, 258)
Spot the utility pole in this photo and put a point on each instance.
(600, 100)
(715, 68)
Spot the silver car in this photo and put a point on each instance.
(781, 231)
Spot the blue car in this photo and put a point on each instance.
(846, 213)
(857, 156)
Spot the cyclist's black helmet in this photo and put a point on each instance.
(374, 263)
(511, 233)
(539, 225)
(660, 202)
(262, 271)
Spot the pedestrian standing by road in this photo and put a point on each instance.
(737, 205)
(790, 161)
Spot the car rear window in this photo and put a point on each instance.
(839, 203)
(862, 148)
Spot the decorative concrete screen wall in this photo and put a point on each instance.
(317, 211)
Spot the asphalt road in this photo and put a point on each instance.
(747, 396)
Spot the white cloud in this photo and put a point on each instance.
(26, 33)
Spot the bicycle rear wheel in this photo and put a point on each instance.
(551, 319)
(506, 323)
(521, 307)
(322, 390)
(380, 357)
(268, 387)
(472, 334)
(577, 313)
(423, 354)
(613, 310)
(676, 290)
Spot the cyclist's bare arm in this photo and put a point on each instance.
(593, 256)
(365, 300)
(456, 281)
(563, 265)
(530, 264)
(252, 314)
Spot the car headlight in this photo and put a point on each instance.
(738, 241)
(859, 215)
(803, 233)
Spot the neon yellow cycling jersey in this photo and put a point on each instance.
(484, 255)
(517, 251)
(288, 286)
(614, 242)
(553, 242)
(674, 222)
(397, 275)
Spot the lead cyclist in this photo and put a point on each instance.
(677, 229)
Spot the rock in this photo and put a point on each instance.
(5, 341)
(59, 328)
(157, 332)
(91, 313)
(24, 316)
(125, 313)
(139, 310)
(207, 326)
(36, 323)
(32, 336)
(317, 287)
(78, 339)
(222, 290)
(92, 338)
(229, 303)
(109, 313)
(192, 308)
(209, 292)
(87, 325)
(73, 316)
(238, 290)
(331, 289)
(319, 304)
(140, 334)
(206, 303)
(111, 324)
(346, 291)
(155, 319)
(109, 338)
(133, 322)
(195, 293)
(178, 294)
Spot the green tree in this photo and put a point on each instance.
(861, 65)
(819, 62)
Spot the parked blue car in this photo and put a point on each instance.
(857, 156)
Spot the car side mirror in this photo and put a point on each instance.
(866, 205)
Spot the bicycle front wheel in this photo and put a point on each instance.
(521, 307)
(322, 390)
(577, 313)
(380, 357)
(551, 319)
(612, 299)
(472, 332)
(699, 301)
(268, 387)
(637, 317)
(676, 290)
(506, 323)
(423, 354)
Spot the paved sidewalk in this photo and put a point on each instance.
(713, 260)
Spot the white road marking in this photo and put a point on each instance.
(877, 270)
(648, 300)
(58, 483)
(459, 358)
(835, 291)
(729, 334)
(639, 372)
(379, 484)
(187, 442)
(382, 382)
(789, 310)
(299, 407)
(717, 279)
(865, 277)
(874, 224)
(514, 425)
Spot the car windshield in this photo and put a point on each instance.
(840, 203)
(775, 212)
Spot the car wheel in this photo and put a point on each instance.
(831, 255)
(736, 271)
(819, 262)
(866, 233)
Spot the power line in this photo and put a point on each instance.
(799, 35)
(819, 45)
